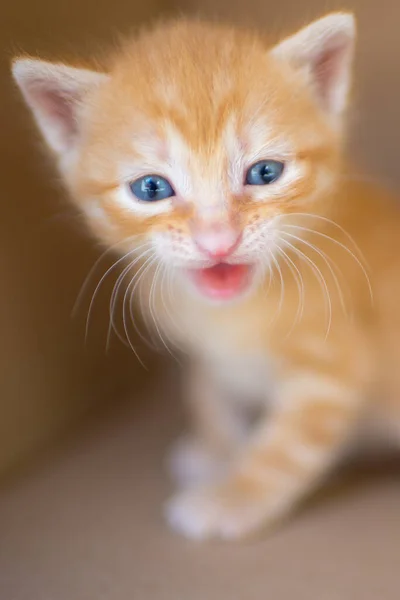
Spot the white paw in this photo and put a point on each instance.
(216, 512)
(191, 463)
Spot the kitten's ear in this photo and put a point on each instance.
(55, 93)
(324, 50)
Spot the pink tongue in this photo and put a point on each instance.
(222, 280)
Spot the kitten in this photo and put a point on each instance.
(216, 163)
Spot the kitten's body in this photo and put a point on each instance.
(283, 295)
(247, 348)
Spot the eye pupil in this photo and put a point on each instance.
(151, 188)
(267, 173)
(264, 172)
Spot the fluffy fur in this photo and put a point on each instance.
(283, 375)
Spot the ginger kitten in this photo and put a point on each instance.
(215, 164)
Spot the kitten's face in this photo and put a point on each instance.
(200, 144)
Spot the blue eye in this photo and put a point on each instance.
(264, 172)
(151, 188)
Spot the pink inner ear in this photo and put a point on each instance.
(328, 68)
(59, 109)
(56, 110)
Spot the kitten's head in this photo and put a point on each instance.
(199, 140)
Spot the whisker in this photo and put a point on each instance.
(345, 248)
(146, 268)
(112, 326)
(330, 222)
(282, 288)
(91, 272)
(299, 283)
(136, 284)
(326, 260)
(144, 311)
(153, 312)
(128, 294)
(103, 278)
(165, 274)
(114, 299)
(320, 279)
(167, 271)
(130, 304)
(270, 275)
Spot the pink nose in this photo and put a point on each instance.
(217, 241)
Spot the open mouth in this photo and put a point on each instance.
(222, 281)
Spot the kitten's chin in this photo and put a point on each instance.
(222, 282)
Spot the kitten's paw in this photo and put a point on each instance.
(192, 463)
(225, 512)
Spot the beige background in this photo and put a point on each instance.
(47, 376)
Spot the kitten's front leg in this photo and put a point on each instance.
(285, 459)
(216, 431)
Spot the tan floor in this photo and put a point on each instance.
(87, 526)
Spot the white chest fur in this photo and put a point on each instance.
(248, 378)
(231, 348)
